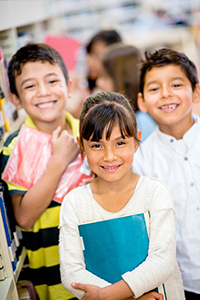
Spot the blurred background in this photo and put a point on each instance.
(68, 25)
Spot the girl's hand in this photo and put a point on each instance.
(92, 292)
(151, 296)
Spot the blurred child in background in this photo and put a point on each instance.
(86, 86)
(120, 73)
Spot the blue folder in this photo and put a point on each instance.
(114, 247)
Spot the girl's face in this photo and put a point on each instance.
(111, 159)
(105, 83)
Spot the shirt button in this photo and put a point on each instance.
(171, 141)
(185, 158)
(192, 184)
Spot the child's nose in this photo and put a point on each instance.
(166, 92)
(109, 154)
(43, 89)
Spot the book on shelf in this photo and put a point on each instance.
(116, 246)
(2, 266)
(26, 290)
(8, 112)
(7, 227)
(30, 158)
(15, 229)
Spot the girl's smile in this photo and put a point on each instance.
(110, 159)
(111, 169)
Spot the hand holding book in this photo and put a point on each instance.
(30, 157)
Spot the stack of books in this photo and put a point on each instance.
(12, 231)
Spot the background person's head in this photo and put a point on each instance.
(95, 48)
(120, 71)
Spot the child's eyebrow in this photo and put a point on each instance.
(26, 80)
(151, 82)
(31, 78)
(172, 78)
(178, 78)
(50, 74)
(116, 139)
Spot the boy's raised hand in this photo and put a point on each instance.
(64, 146)
(29, 207)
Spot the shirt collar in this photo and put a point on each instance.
(72, 121)
(188, 138)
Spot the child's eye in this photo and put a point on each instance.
(29, 86)
(96, 146)
(53, 81)
(120, 143)
(177, 85)
(153, 89)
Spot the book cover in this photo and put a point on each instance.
(13, 225)
(2, 266)
(67, 46)
(114, 247)
(26, 290)
(8, 232)
(30, 158)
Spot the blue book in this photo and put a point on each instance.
(7, 228)
(114, 247)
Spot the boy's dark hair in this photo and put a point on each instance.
(163, 57)
(32, 53)
(107, 36)
(103, 110)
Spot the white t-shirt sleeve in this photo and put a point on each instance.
(72, 265)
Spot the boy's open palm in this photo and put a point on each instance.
(64, 146)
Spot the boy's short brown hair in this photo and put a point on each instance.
(164, 57)
(32, 53)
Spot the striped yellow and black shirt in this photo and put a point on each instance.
(41, 241)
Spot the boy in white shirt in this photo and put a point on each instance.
(168, 88)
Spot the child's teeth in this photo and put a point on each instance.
(44, 105)
(169, 106)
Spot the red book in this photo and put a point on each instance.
(30, 158)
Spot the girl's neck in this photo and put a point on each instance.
(114, 196)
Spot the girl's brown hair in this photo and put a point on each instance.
(105, 110)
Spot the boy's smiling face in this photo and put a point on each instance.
(168, 97)
(43, 92)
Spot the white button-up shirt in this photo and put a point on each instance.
(177, 163)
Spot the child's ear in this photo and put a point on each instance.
(141, 103)
(15, 100)
(196, 93)
(70, 88)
